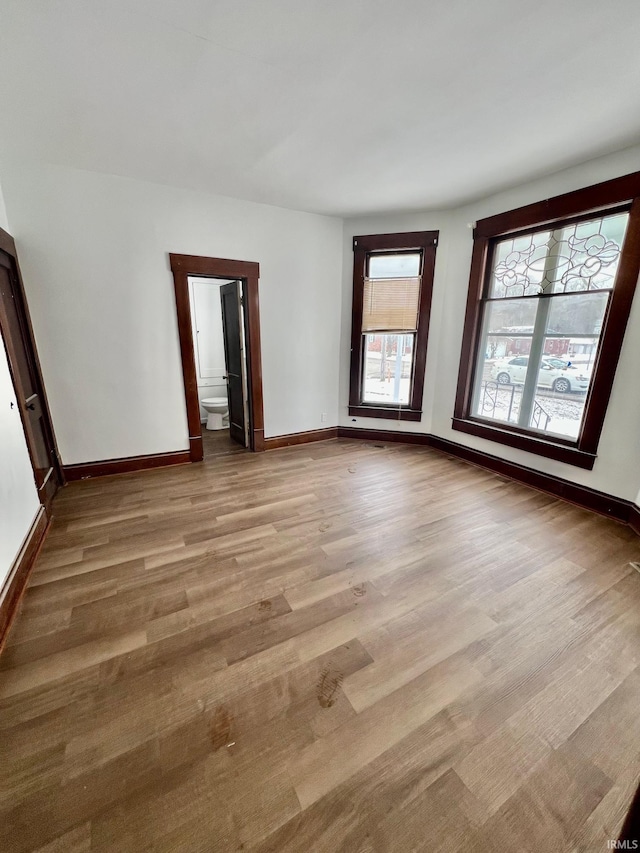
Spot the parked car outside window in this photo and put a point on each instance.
(561, 376)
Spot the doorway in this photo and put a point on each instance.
(17, 335)
(199, 283)
(217, 327)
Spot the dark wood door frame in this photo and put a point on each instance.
(248, 273)
(47, 492)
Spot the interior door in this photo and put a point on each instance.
(233, 333)
(14, 325)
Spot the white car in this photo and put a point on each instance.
(559, 375)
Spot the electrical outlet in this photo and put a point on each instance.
(323, 417)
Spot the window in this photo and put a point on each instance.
(550, 292)
(392, 284)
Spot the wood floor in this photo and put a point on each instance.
(332, 647)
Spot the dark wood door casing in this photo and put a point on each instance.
(19, 344)
(248, 273)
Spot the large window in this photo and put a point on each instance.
(392, 284)
(550, 292)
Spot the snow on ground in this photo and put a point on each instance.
(502, 402)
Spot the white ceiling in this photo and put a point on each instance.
(334, 106)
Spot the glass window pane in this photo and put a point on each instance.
(388, 362)
(555, 404)
(512, 317)
(587, 254)
(497, 399)
(561, 392)
(406, 265)
(583, 256)
(518, 266)
(578, 314)
(503, 358)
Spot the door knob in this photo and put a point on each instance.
(31, 406)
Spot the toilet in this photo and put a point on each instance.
(217, 409)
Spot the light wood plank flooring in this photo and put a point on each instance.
(332, 647)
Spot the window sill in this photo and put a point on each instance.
(388, 414)
(552, 450)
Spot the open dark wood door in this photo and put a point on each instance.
(233, 331)
(23, 362)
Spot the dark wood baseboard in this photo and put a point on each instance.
(196, 449)
(16, 581)
(574, 493)
(259, 441)
(582, 496)
(300, 438)
(86, 470)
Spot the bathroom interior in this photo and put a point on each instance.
(212, 375)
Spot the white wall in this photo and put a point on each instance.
(18, 494)
(93, 250)
(617, 469)
(4, 222)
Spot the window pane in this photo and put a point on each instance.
(583, 256)
(570, 327)
(394, 265)
(504, 348)
(511, 317)
(388, 361)
(561, 392)
(578, 314)
(587, 255)
(498, 400)
(518, 266)
(503, 358)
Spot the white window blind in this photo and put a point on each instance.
(390, 304)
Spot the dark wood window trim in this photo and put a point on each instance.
(623, 193)
(425, 242)
(248, 272)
